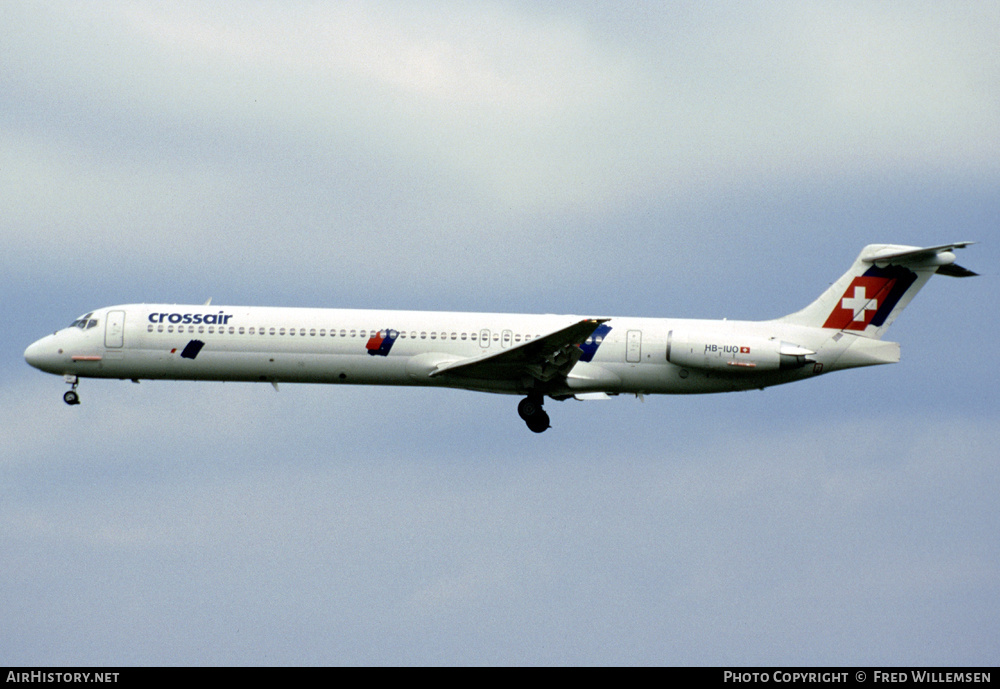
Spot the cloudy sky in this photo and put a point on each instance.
(646, 159)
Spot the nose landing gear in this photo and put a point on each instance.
(71, 397)
(530, 409)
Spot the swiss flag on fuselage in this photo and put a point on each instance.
(864, 297)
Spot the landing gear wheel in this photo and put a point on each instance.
(530, 409)
(538, 423)
(71, 397)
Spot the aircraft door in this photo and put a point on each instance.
(633, 346)
(484, 338)
(114, 330)
(506, 338)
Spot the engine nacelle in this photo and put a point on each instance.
(733, 353)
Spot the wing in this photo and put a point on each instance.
(543, 358)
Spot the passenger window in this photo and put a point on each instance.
(241, 330)
(149, 328)
(271, 331)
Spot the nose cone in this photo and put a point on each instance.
(42, 354)
(33, 353)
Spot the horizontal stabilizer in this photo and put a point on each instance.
(956, 271)
(939, 256)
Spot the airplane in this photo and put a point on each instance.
(534, 356)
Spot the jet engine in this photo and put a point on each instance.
(734, 353)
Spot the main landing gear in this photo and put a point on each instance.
(530, 409)
(72, 397)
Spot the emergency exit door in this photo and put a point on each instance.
(633, 346)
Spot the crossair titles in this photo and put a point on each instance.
(191, 318)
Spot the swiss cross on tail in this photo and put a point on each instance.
(862, 300)
(870, 298)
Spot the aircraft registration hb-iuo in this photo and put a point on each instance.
(534, 356)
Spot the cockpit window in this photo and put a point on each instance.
(84, 322)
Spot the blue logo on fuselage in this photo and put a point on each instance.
(594, 341)
(191, 318)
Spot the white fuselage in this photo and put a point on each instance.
(268, 344)
(537, 356)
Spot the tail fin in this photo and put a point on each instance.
(881, 282)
